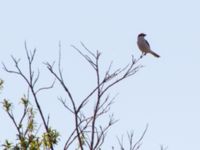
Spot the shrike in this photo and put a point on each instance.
(144, 45)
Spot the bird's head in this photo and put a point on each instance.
(141, 35)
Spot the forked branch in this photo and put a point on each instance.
(87, 129)
(31, 80)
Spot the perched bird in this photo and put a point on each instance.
(144, 45)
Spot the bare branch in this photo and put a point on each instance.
(65, 105)
(138, 143)
(14, 121)
(132, 145)
(86, 57)
(91, 53)
(121, 141)
(9, 71)
(30, 55)
(103, 132)
(19, 72)
(59, 62)
(37, 78)
(48, 118)
(29, 79)
(46, 88)
(129, 71)
(61, 81)
(50, 68)
(23, 115)
(87, 125)
(163, 148)
(85, 100)
(70, 140)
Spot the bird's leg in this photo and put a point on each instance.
(143, 54)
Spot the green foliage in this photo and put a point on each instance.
(7, 105)
(1, 84)
(50, 138)
(27, 129)
(83, 141)
(7, 145)
(88, 132)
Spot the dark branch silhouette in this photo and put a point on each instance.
(31, 80)
(132, 145)
(87, 130)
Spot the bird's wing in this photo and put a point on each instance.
(147, 43)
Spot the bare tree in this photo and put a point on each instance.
(88, 131)
(132, 145)
(86, 128)
(31, 79)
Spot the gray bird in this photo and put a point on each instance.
(144, 45)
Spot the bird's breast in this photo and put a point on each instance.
(143, 46)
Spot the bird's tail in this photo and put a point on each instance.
(154, 54)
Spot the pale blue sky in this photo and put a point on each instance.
(165, 93)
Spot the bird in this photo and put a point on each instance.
(144, 46)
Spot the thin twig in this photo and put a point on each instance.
(138, 143)
(46, 88)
